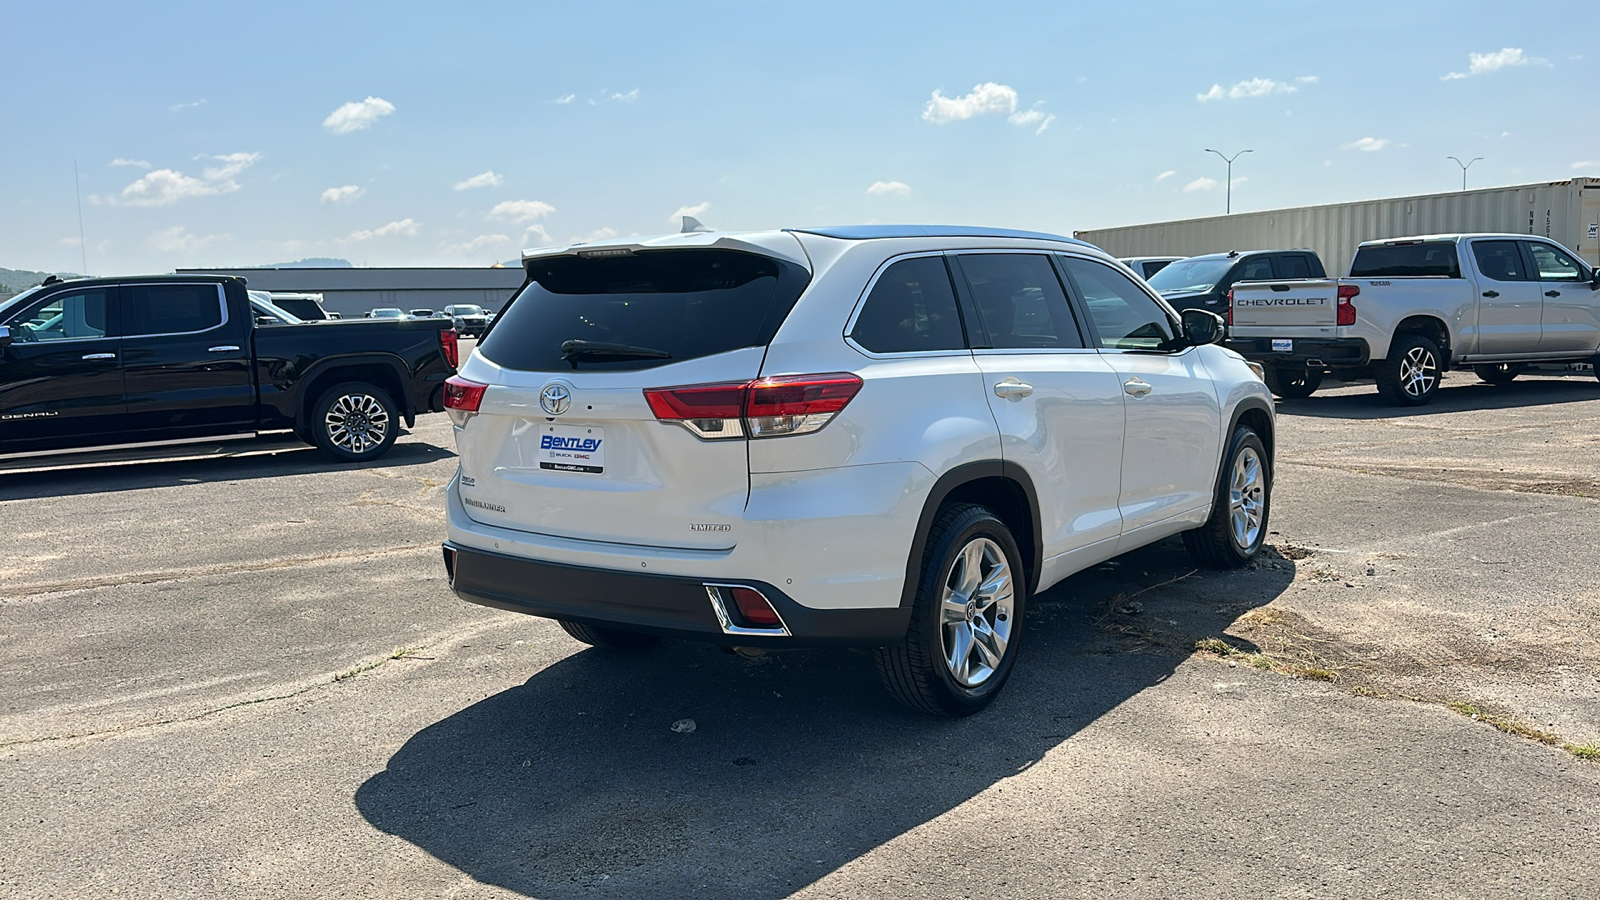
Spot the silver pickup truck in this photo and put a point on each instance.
(1413, 308)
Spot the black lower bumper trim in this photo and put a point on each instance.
(657, 604)
(1333, 352)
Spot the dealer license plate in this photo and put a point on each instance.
(573, 448)
(1282, 345)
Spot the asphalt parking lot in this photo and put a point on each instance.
(246, 677)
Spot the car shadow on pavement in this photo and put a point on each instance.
(799, 763)
(1460, 393)
(267, 460)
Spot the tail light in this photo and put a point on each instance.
(1230, 306)
(462, 398)
(448, 342)
(1347, 310)
(767, 407)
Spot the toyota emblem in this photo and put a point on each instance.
(555, 398)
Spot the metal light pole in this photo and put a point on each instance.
(1464, 167)
(1229, 161)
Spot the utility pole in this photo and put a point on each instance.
(1229, 161)
(1464, 167)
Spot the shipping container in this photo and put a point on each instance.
(1567, 212)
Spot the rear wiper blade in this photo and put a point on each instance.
(574, 350)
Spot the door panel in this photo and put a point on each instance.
(1570, 312)
(1509, 305)
(61, 378)
(186, 363)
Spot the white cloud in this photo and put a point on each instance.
(518, 211)
(1481, 63)
(629, 97)
(1028, 117)
(136, 163)
(599, 234)
(1165, 175)
(177, 239)
(1254, 87)
(1368, 144)
(696, 210)
(1200, 184)
(357, 115)
(481, 242)
(164, 186)
(1586, 164)
(889, 188)
(536, 236)
(178, 107)
(985, 98)
(483, 179)
(1307, 79)
(341, 194)
(404, 228)
(564, 99)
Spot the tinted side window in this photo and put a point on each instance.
(63, 317)
(1499, 260)
(912, 308)
(1293, 265)
(1553, 265)
(1423, 258)
(1125, 317)
(170, 308)
(1256, 269)
(1021, 301)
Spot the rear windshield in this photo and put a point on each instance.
(1436, 258)
(1187, 275)
(637, 312)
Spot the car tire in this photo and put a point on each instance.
(1234, 533)
(609, 638)
(1504, 373)
(1410, 375)
(1292, 382)
(355, 422)
(966, 619)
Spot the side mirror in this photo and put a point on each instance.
(1201, 326)
(5, 336)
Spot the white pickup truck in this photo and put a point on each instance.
(1413, 308)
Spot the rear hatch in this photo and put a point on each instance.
(1298, 308)
(565, 442)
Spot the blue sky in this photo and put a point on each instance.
(456, 134)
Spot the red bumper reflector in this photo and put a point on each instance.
(754, 608)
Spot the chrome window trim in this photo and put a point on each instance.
(76, 340)
(222, 302)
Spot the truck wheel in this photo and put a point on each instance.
(610, 638)
(1292, 382)
(966, 618)
(354, 422)
(1410, 374)
(1238, 524)
(1505, 373)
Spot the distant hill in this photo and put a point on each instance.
(15, 281)
(320, 262)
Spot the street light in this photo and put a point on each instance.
(1464, 167)
(1229, 161)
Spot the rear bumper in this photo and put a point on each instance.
(1333, 352)
(672, 605)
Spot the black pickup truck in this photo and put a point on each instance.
(150, 361)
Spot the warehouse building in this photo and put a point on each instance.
(353, 291)
(1567, 212)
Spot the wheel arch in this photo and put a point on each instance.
(380, 371)
(1006, 490)
(1430, 326)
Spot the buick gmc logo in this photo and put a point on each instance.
(555, 398)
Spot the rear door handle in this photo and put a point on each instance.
(1552, 293)
(1136, 386)
(226, 348)
(99, 356)
(1011, 387)
(1491, 294)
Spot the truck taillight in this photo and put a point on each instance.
(1230, 306)
(767, 407)
(1347, 309)
(449, 343)
(462, 398)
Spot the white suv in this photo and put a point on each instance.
(885, 437)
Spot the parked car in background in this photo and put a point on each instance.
(470, 319)
(306, 307)
(1145, 266)
(424, 313)
(269, 313)
(109, 364)
(1416, 307)
(387, 312)
(886, 437)
(1202, 282)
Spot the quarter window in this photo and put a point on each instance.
(1021, 301)
(1293, 265)
(77, 315)
(911, 308)
(1125, 317)
(170, 308)
(1499, 260)
(1553, 265)
(1256, 269)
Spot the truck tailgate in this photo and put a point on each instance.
(1296, 308)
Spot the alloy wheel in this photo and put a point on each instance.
(1246, 498)
(978, 606)
(1419, 371)
(357, 423)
